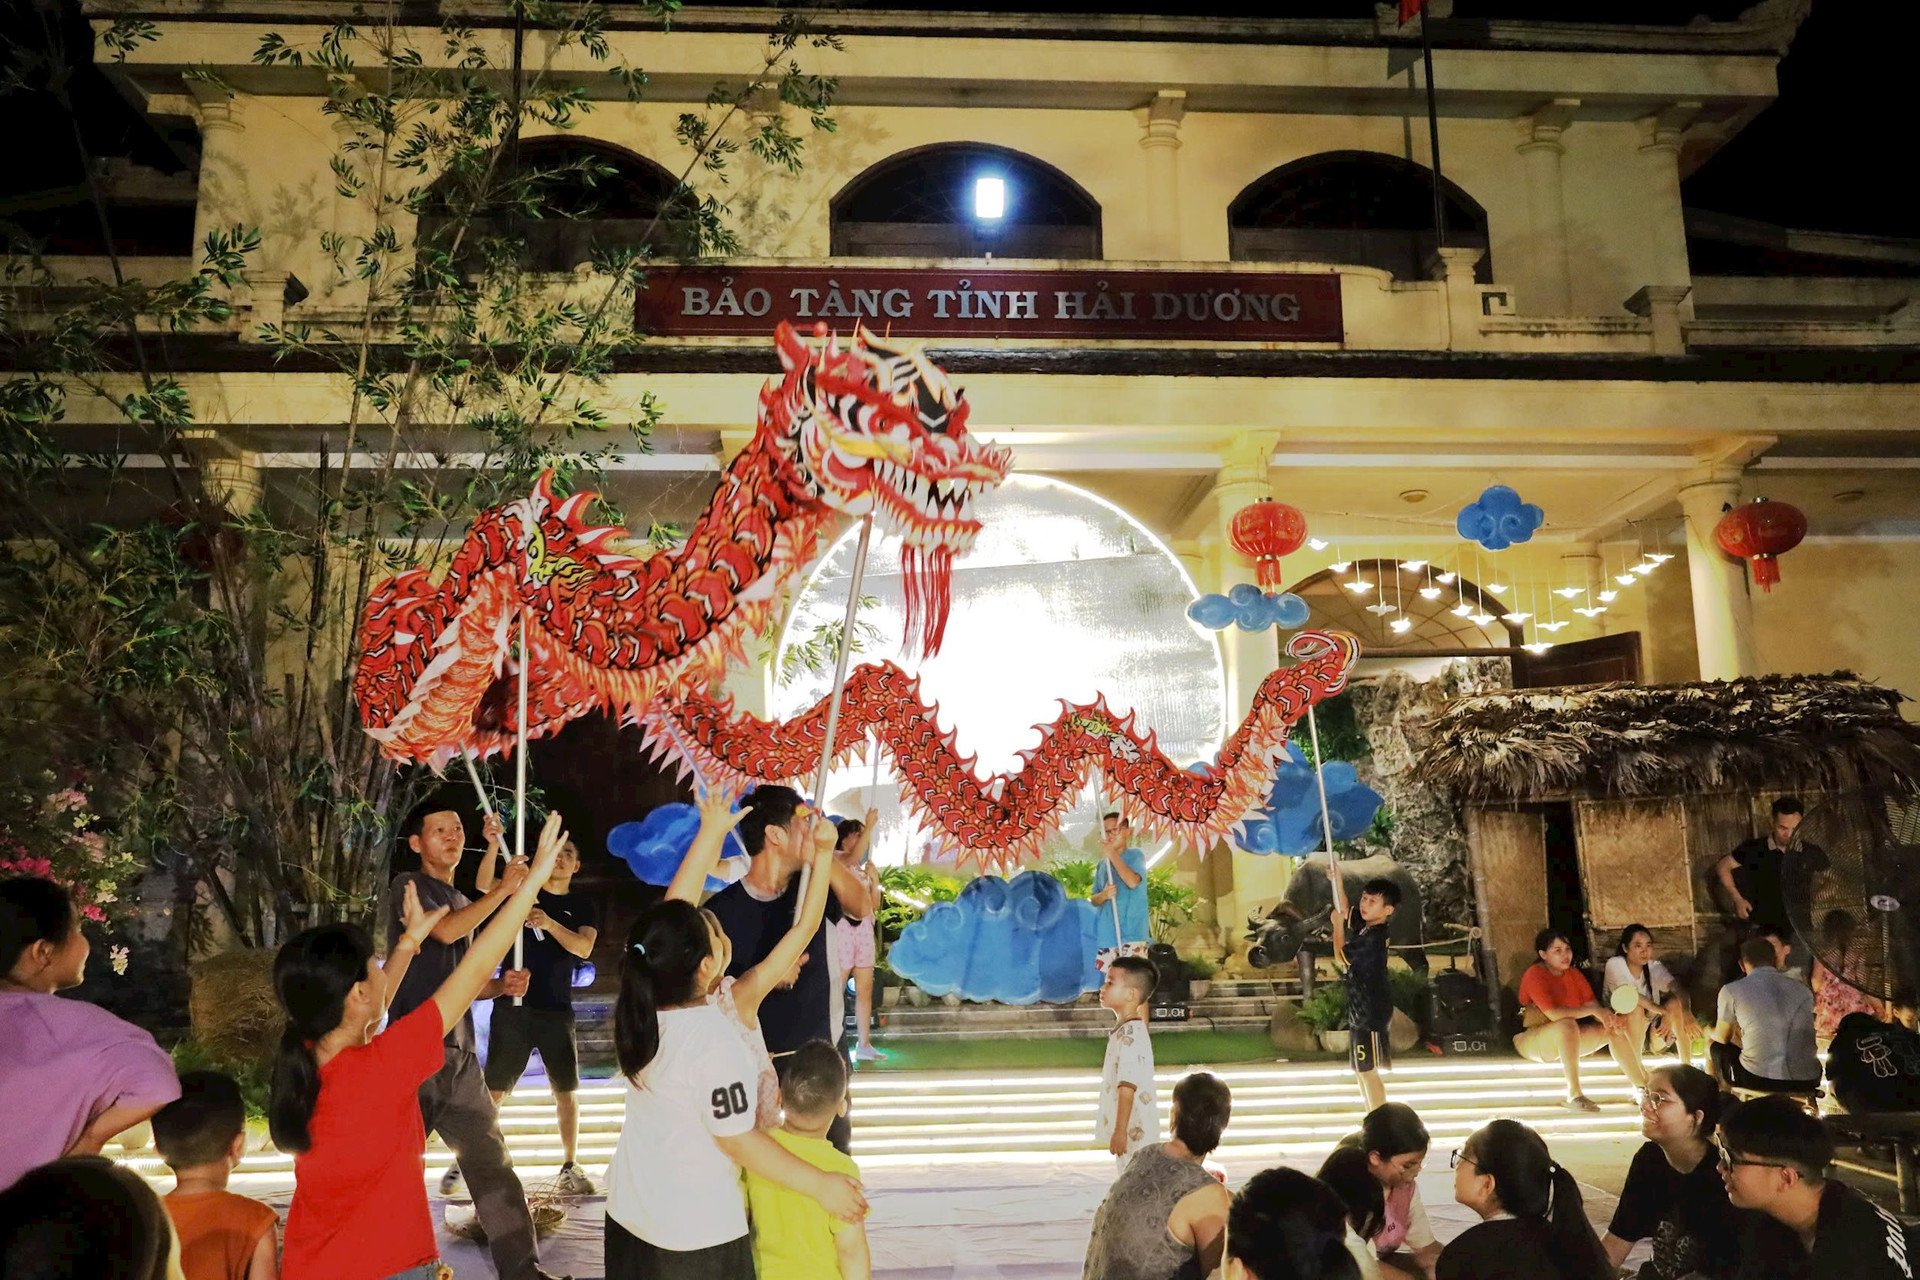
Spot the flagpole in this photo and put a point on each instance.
(1433, 127)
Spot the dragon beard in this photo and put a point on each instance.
(927, 576)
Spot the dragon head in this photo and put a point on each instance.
(877, 428)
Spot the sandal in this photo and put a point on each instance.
(1580, 1102)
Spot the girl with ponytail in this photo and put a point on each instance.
(1533, 1225)
(345, 1100)
(674, 1201)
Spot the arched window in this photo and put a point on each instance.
(964, 200)
(1437, 629)
(1355, 207)
(562, 200)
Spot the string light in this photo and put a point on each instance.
(1592, 612)
(1446, 578)
(1429, 592)
(1498, 588)
(1570, 593)
(1341, 566)
(1538, 646)
(1554, 622)
(1413, 566)
(1318, 544)
(1516, 617)
(1401, 626)
(1462, 610)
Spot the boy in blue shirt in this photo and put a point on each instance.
(1120, 891)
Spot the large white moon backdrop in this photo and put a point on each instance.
(1063, 596)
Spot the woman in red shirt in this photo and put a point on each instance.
(1563, 1021)
(345, 1101)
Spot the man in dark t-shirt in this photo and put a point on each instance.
(559, 934)
(1754, 877)
(757, 910)
(1775, 1159)
(455, 1103)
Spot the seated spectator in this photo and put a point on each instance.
(1836, 994)
(1532, 1226)
(1764, 1036)
(794, 1238)
(1674, 1195)
(1286, 1226)
(90, 1075)
(1662, 1009)
(202, 1136)
(1346, 1172)
(1395, 1143)
(1563, 1022)
(1166, 1215)
(1874, 1065)
(1774, 1157)
(85, 1218)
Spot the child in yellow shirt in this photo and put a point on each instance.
(793, 1237)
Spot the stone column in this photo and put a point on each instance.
(1161, 141)
(1665, 228)
(1455, 265)
(1242, 480)
(1722, 610)
(1549, 290)
(222, 165)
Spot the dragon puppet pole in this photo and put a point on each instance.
(1326, 817)
(839, 691)
(479, 788)
(520, 789)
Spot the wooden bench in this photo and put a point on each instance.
(1896, 1131)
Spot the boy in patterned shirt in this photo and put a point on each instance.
(1129, 1111)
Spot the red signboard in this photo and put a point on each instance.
(920, 302)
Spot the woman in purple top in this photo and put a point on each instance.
(76, 1075)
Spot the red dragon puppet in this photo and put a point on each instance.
(867, 429)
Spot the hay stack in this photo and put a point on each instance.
(235, 1016)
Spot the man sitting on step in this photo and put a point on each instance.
(1764, 1037)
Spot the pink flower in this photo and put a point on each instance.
(94, 913)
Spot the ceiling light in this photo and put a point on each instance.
(1849, 495)
(1413, 497)
(1461, 610)
(1551, 626)
(1482, 619)
(1318, 544)
(1645, 568)
(1659, 557)
(1497, 587)
(1568, 593)
(1413, 566)
(1515, 618)
(1538, 646)
(1400, 626)
(1359, 586)
(1341, 566)
(1607, 597)
(1429, 593)
(1625, 579)
(1446, 577)
(990, 198)
(1383, 608)
(1594, 612)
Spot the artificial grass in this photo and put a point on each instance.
(1170, 1048)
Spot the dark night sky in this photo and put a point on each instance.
(1827, 155)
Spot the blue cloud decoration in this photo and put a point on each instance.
(1289, 823)
(1249, 608)
(1018, 941)
(654, 847)
(1499, 519)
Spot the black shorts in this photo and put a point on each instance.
(628, 1257)
(517, 1032)
(1371, 1051)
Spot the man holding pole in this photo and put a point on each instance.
(1122, 922)
(455, 1103)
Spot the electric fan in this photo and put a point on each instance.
(1849, 883)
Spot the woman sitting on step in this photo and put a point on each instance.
(1564, 1023)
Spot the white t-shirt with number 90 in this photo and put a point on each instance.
(670, 1184)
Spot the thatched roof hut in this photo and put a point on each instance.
(1815, 733)
(1592, 807)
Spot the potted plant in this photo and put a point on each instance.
(1325, 1014)
(1200, 971)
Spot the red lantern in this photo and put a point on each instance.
(1761, 531)
(1263, 533)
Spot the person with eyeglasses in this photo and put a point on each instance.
(1533, 1225)
(1673, 1194)
(1774, 1158)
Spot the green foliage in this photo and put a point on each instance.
(191, 640)
(254, 1079)
(1326, 1010)
(1341, 736)
(1200, 968)
(1169, 903)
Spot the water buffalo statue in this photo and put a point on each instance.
(1298, 927)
